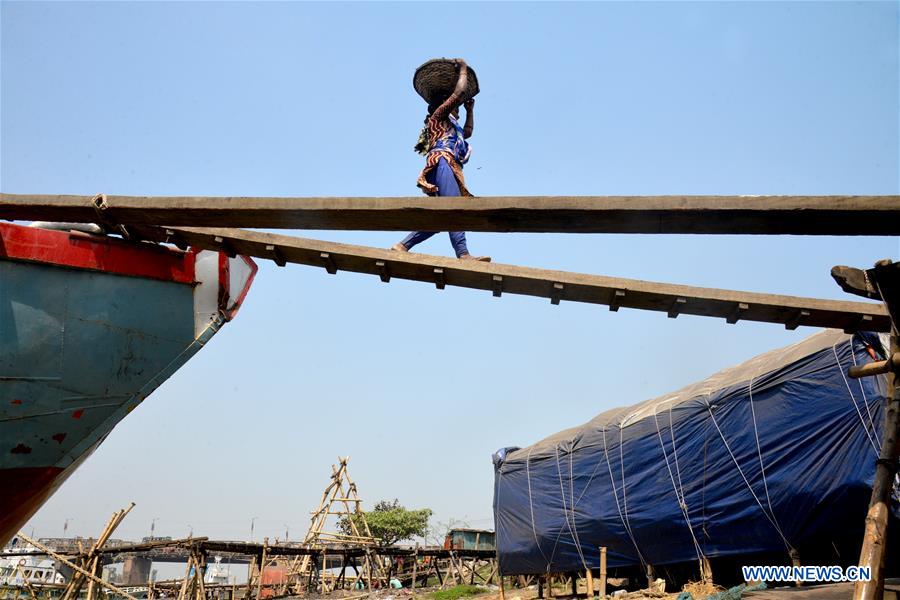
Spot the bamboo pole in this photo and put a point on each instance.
(415, 570)
(25, 580)
(262, 566)
(886, 276)
(590, 582)
(69, 563)
(603, 572)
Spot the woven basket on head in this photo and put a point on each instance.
(436, 79)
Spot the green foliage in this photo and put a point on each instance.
(459, 591)
(390, 522)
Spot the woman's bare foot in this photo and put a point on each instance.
(399, 247)
(478, 258)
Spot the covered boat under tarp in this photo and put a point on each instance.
(772, 456)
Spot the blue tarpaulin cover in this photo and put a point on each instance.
(768, 456)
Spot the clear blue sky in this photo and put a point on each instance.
(420, 386)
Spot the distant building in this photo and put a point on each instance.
(469, 539)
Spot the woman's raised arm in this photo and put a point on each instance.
(455, 98)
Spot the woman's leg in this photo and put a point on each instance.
(448, 186)
(416, 237)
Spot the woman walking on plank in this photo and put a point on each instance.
(443, 143)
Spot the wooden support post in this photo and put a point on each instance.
(875, 535)
(262, 567)
(502, 591)
(540, 585)
(651, 575)
(550, 585)
(415, 570)
(250, 567)
(886, 276)
(590, 582)
(795, 561)
(574, 576)
(603, 573)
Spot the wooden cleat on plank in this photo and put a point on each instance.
(383, 271)
(556, 293)
(497, 285)
(676, 307)
(328, 262)
(277, 256)
(735, 316)
(439, 281)
(797, 319)
(616, 300)
(225, 246)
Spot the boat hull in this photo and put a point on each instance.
(89, 327)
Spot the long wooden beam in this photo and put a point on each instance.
(801, 215)
(558, 286)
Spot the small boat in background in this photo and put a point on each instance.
(22, 564)
(90, 325)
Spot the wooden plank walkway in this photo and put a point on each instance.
(801, 215)
(558, 286)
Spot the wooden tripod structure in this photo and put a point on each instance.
(341, 500)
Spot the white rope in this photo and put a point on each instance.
(588, 484)
(746, 481)
(865, 400)
(572, 504)
(762, 468)
(531, 505)
(573, 528)
(853, 399)
(675, 451)
(622, 468)
(563, 496)
(679, 497)
(616, 496)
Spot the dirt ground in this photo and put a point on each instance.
(838, 591)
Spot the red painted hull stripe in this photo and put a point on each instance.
(95, 253)
(24, 491)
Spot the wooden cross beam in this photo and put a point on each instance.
(800, 215)
(729, 305)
